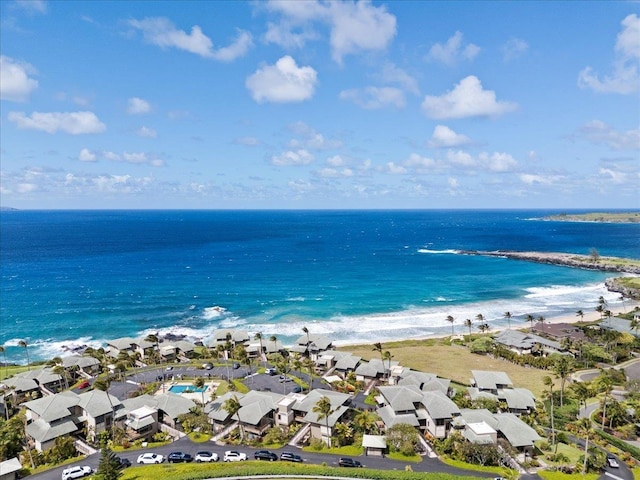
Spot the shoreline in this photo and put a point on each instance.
(589, 316)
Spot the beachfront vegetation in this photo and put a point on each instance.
(189, 471)
(605, 217)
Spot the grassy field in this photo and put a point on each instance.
(253, 469)
(452, 361)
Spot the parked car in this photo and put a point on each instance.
(297, 389)
(271, 371)
(177, 457)
(169, 368)
(83, 384)
(284, 379)
(290, 457)
(265, 455)
(207, 366)
(124, 462)
(76, 472)
(236, 365)
(234, 456)
(349, 462)
(206, 457)
(150, 457)
(612, 462)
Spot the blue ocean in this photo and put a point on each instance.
(71, 278)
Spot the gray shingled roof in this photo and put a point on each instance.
(518, 433)
(439, 405)
(401, 398)
(490, 380)
(96, 403)
(42, 431)
(390, 418)
(173, 404)
(348, 362)
(54, 407)
(517, 398)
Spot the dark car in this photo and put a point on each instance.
(177, 457)
(290, 457)
(271, 371)
(265, 455)
(236, 365)
(124, 462)
(349, 462)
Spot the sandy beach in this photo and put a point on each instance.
(518, 323)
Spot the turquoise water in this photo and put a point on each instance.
(184, 388)
(73, 278)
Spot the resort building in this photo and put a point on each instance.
(482, 426)
(312, 345)
(430, 411)
(497, 386)
(523, 343)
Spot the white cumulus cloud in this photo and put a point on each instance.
(283, 82)
(467, 99)
(624, 79)
(74, 123)
(599, 132)
(359, 26)
(290, 158)
(163, 33)
(453, 50)
(15, 83)
(498, 162)
(137, 106)
(444, 137)
(86, 155)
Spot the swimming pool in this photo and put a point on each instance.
(187, 389)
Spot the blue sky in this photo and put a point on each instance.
(314, 104)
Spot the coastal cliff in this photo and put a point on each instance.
(606, 264)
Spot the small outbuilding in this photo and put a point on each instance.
(374, 445)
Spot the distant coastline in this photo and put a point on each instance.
(605, 264)
(599, 217)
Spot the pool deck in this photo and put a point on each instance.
(210, 387)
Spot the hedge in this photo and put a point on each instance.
(621, 444)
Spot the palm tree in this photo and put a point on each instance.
(365, 421)
(584, 427)
(258, 336)
(604, 384)
(468, 323)
(563, 368)
(608, 314)
(480, 318)
(387, 356)
(624, 308)
(484, 327)
(199, 384)
(548, 382)
(274, 339)
(25, 345)
(152, 338)
(580, 314)
(450, 319)
(324, 411)
(232, 406)
(59, 370)
(582, 392)
(529, 318)
(309, 365)
(507, 315)
(306, 331)
(541, 320)
(600, 310)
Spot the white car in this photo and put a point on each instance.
(612, 462)
(233, 456)
(76, 472)
(206, 457)
(150, 458)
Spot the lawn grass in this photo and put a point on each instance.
(548, 475)
(469, 466)
(251, 469)
(452, 361)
